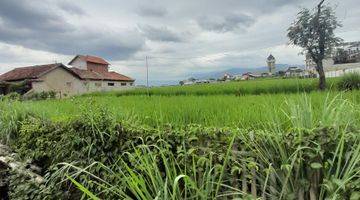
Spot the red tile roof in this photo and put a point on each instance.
(92, 75)
(31, 72)
(92, 59)
(35, 72)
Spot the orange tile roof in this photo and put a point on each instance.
(35, 72)
(93, 75)
(31, 72)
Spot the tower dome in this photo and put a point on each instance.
(271, 63)
(271, 57)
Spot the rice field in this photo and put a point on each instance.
(239, 88)
(261, 139)
(250, 111)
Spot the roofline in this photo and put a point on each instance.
(41, 74)
(106, 79)
(55, 67)
(94, 79)
(72, 60)
(86, 60)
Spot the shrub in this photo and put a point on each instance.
(52, 94)
(13, 96)
(42, 95)
(350, 81)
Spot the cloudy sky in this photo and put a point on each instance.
(180, 37)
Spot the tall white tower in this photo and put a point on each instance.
(271, 63)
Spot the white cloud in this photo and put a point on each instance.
(182, 37)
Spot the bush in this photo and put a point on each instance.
(52, 94)
(13, 96)
(42, 95)
(350, 82)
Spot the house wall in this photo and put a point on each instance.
(102, 86)
(79, 63)
(66, 84)
(60, 81)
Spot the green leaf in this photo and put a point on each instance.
(83, 189)
(355, 195)
(316, 165)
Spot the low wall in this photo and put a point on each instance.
(337, 70)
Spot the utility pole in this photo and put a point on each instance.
(147, 72)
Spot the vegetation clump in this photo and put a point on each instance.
(305, 150)
(349, 81)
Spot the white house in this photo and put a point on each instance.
(87, 74)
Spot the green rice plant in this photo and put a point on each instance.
(250, 111)
(239, 88)
(12, 114)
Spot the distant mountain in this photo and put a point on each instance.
(157, 82)
(239, 70)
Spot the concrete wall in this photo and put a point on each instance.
(60, 81)
(66, 84)
(341, 69)
(103, 86)
(79, 63)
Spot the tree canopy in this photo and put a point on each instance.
(313, 30)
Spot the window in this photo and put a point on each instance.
(98, 84)
(111, 84)
(123, 84)
(68, 84)
(131, 84)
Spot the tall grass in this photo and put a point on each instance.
(269, 146)
(12, 114)
(349, 81)
(317, 156)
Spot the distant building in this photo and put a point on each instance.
(227, 76)
(87, 74)
(202, 81)
(188, 81)
(271, 63)
(249, 76)
(266, 74)
(294, 72)
(345, 59)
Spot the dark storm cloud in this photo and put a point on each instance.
(150, 11)
(226, 23)
(22, 14)
(163, 34)
(33, 26)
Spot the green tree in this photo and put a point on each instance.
(313, 30)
